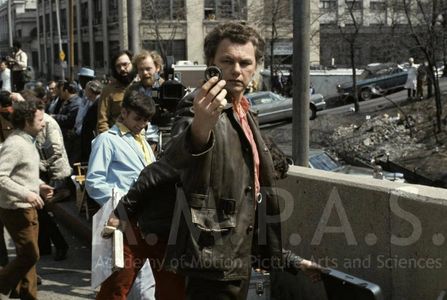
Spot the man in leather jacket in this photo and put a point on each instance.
(229, 217)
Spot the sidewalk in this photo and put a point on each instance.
(68, 279)
(67, 214)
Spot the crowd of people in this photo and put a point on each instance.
(217, 164)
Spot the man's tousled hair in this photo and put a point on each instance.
(236, 33)
(138, 102)
(24, 112)
(156, 57)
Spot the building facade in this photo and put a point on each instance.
(378, 29)
(173, 27)
(21, 25)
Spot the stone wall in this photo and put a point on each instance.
(391, 234)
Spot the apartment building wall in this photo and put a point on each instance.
(23, 27)
(175, 27)
(383, 32)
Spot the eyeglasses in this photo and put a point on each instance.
(122, 65)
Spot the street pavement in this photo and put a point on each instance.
(67, 279)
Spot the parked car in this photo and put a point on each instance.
(272, 107)
(384, 77)
(321, 160)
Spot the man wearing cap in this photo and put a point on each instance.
(66, 118)
(84, 76)
(87, 130)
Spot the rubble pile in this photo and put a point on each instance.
(409, 139)
(383, 134)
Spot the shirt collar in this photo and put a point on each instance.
(242, 106)
(124, 130)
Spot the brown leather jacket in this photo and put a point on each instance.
(224, 227)
(109, 105)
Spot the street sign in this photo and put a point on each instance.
(61, 55)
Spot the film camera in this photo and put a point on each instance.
(167, 96)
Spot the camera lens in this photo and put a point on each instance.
(213, 71)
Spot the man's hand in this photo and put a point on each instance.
(113, 220)
(208, 105)
(46, 191)
(311, 269)
(112, 224)
(35, 200)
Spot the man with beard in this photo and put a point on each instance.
(149, 65)
(109, 106)
(21, 194)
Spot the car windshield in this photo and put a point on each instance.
(264, 98)
(323, 161)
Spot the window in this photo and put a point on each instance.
(85, 53)
(176, 48)
(63, 17)
(97, 12)
(84, 14)
(41, 23)
(226, 9)
(377, 5)
(399, 6)
(54, 22)
(328, 4)
(163, 10)
(47, 22)
(354, 5)
(99, 53)
(113, 11)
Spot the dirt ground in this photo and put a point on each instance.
(408, 138)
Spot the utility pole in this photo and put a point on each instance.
(71, 39)
(301, 95)
(59, 38)
(10, 22)
(132, 26)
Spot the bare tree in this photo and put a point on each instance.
(165, 20)
(350, 34)
(444, 33)
(425, 28)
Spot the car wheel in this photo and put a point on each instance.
(313, 112)
(366, 94)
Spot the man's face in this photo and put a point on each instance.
(2, 66)
(146, 70)
(52, 89)
(33, 128)
(133, 121)
(123, 65)
(238, 64)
